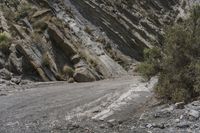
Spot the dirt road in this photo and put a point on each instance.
(43, 108)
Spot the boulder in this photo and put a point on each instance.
(75, 59)
(16, 80)
(70, 80)
(83, 75)
(194, 113)
(5, 74)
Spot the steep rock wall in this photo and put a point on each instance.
(131, 25)
(82, 40)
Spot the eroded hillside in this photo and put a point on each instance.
(79, 40)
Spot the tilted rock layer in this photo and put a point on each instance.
(81, 40)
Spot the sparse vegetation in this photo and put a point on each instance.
(46, 59)
(179, 62)
(5, 41)
(68, 71)
(146, 69)
(8, 13)
(23, 11)
(151, 65)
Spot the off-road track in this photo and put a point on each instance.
(44, 106)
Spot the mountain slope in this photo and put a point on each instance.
(81, 41)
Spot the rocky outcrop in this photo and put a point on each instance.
(83, 75)
(96, 39)
(44, 43)
(59, 39)
(131, 26)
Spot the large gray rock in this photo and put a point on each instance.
(83, 75)
(194, 113)
(75, 59)
(5, 74)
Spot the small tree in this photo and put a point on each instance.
(180, 75)
(179, 61)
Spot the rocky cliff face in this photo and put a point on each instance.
(131, 25)
(79, 40)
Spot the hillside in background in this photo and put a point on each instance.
(80, 41)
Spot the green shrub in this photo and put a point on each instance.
(5, 41)
(180, 75)
(178, 63)
(152, 54)
(68, 71)
(151, 65)
(146, 69)
(171, 88)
